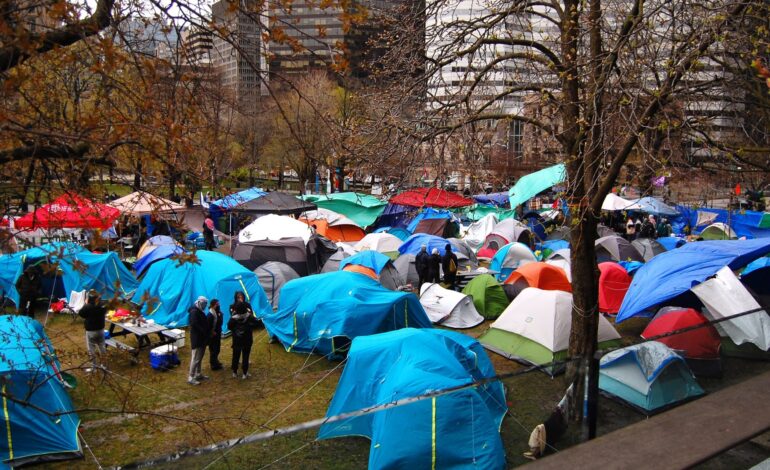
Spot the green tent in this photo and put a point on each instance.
(362, 209)
(488, 296)
(479, 211)
(530, 185)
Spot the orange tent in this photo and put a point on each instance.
(357, 268)
(336, 233)
(541, 275)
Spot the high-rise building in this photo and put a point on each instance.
(198, 44)
(149, 37)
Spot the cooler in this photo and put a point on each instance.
(177, 335)
(164, 357)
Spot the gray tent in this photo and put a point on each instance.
(303, 258)
(616, 248)
(272, 276)
(404, 264)
(648, 247)
(333, 263)
(465, 254)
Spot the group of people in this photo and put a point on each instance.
(649, 228)
(206, 332)
(429, 266)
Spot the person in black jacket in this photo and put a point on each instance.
(241, 324)
(93, 313)
(215, 320)
(28, 286)
(199, 337)
(434, 267)
(421, 262)
(449, 265)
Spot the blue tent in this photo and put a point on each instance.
(29, 372)
(758, 263)
(495, 199)
(324, 312)
(412, 244)
(554, 245)
(631, 266)
(655, 206)
(401, 233)
(648, 376)
(670, 243)
(371, 259)
(169, 288)
(428, 213)
(457, 430)
(12, 265)
(161, 252)
(675, 272)
(745, 223)
(509, 257)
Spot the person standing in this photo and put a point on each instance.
(664, 228)
(434, 267)
(28, 286)
(630, 230)
(215, 320)
(93, 313)
(648, 228)
(208, 233)
(241, 324)
(449, 265)
(199, 337)
(421, 262)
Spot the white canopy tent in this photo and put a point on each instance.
(613, 202)
(142, 203)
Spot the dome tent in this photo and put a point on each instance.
(718, 231)
(449, 308)
(400, 364)
(648, 248)
(535, 329)
(375, 265)
(325, 312)
(272, 277)
(169, 288)
(488, 296)
(616, 248)
(510, 257)
(405, 265)
(649, 377)
(561, 259)
(477, 232)
(505, 232)
(333, 263)
(336, 227)
(614, 282)
(382, 242)
(541, 275)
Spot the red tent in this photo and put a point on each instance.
(70, 211)
(701, 343)
(613, 285)
(430, 197)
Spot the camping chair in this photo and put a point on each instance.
(76, 301)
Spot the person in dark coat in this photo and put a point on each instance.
(434, 267)
(241, 324)
(215, 320)
(94, 313)
(208, 234)
(28, 286)
(199, 337)
(648, 228)
(421, 262)
(449, 265)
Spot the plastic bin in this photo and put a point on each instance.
(178, 336)
(164, 357)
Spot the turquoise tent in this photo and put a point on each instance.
(648, 376)
(530, 185)
(324, 312)
(373, 260)
(169, 288)
(362, 209)
(37, 418)
(456, 430)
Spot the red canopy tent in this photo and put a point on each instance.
(430, 197)
(70, 211)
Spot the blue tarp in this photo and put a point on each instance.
(29, 371)
(655, 206)
(241, 197)
(744, 224)
(532, 184)
(395, 216)
(674, 272)
(411, 245)
(428, 214)
(669, 243)
(495, 199)
(631, 266)
(161, 252)
(759, 263)
(371, 259)
(169, 288)
(457, 430)
(324, 312)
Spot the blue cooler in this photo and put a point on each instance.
(164, 357)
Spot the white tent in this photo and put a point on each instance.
(613, 202)
(477, 232)
(332, 218)
(275, 227)
(724, 296)
(449, 308)
(507, 231)
(142, 203)
(561, 259)
(382, 242)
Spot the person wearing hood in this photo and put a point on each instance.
(199, 338)
(421, 262)
(449, 265)
(434, 267)
(28, 285)
(215, 319)
(241, 324)
(208, 233)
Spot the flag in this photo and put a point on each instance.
(706, 218)
(659, 182)
(738, 189)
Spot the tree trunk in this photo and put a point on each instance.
(172, 180)
(28, 179)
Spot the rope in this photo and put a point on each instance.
(50, 299)
(90, 451)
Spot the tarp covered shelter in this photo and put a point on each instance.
(650, 377)
(382, 242)
(648, 248)
(529, 186)
(616, 248)
(498, 199)
(172, 288)
(749, 224)
(69, 211)
(675, 272)
(614, 282)
(38, 417)
(143, 203)
(275, 202)
(325, 312)
(612, 202)
(413, 244)
(541, 275)
(363, 209)
(428, 214)
(477, 232)
(488, 295)
(718, 231)
(234, 200)
(430, 197)
(449, 308)
(670, 243)
(375, 265)
(510, 257)
(506, 231)
(457, 430)
(699, 347)
(535, 329)
(272, 277)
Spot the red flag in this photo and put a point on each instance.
(738, 189)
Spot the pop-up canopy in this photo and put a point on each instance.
(70, 211)
(142, 203)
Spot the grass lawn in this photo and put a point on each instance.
(285, 388)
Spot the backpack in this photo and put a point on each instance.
(452, 265)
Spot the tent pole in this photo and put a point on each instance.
(591, 404)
